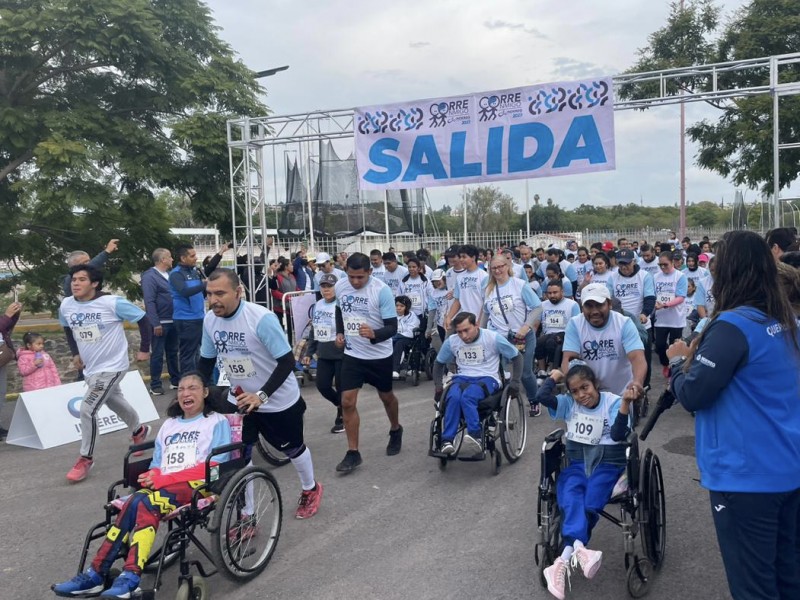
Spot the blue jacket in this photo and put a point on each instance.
(188, 293)
(157, 297)
(744, 384)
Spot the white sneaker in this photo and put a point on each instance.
(470, 446)
(395, 375)
(589, 561)
(556, 576)
(447, 448)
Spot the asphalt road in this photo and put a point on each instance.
(397, 528)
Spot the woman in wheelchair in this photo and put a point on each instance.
(596, 424)
(177, 468)
(407, 322)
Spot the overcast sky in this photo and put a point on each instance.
(356, 53)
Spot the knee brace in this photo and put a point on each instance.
(295, 452)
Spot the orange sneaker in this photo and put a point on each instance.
(309, 501)
(80, 470)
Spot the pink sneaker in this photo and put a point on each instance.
(589, 560)
(80, 470)
(309, 501)
(557, 576)
(246, 528)
(140, 438)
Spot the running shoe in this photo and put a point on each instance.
(535, 410)
(157, 391)
(90, 582)
(139, 438)
(665, 371)
(338, 425)
(447, 448)
(350, 461)
(395, 375)
(395, 441)
(556, 576)
(470, 445)
(81, 469)
(244, 529)
(588, 560)
(123, 587)
(309, 501)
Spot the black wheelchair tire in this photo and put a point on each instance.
(272, 456)
(226, 518)
(639, 578)
(430, 358)
(654, 530)
(498, 461)
(197, 591)
(514, 426)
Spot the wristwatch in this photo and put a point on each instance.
(262, 396)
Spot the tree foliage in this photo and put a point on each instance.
(489, 209)
(102, 104)
(738, 144)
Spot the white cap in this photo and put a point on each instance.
(323, 257)
(598, 292)
(437, 275)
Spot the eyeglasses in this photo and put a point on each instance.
(498, 267)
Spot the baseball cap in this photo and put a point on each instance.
(437, 275)
(625, 256)
(608, 246)
(328, 279)
(311, 259)
(703, 258)
(323, 257)
(595, 291)
(677, 255)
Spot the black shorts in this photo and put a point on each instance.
(358, 371)
(283, 430)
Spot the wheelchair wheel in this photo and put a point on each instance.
(640, 576)
(642, 408)
(514, 427)
(654, 510)
(549, 517)
(246, 524)
(270, 454)
(197, 591)
(430, 358)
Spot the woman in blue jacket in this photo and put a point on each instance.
(742, 378)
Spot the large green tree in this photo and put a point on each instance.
(102, 104)
(737, 144)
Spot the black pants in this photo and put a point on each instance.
(664, 336)
(758, 540)
(401, 345)
(190, 334)
(648, 356)
(329, 373)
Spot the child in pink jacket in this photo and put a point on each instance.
(35, 365)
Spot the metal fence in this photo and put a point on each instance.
(437, 244)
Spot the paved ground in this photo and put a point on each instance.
(398, 528)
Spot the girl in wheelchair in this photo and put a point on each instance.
(407, 322)
(177, 467)
(596, 424)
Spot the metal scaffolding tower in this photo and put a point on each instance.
(249, 136)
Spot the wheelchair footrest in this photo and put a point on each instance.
(474, 458)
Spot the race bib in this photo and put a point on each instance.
(88, 334)
(470, 355)
(351, 325)
(506, 304)
(416, 300)
(556, 320)
(585, 429)
(323, 334)
(665, 297)
(239, 368)
(179, 457)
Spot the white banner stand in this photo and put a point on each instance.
(51, 417)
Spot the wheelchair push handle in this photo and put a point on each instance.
(664, 402)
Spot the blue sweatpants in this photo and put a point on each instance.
(581, 499)
(463, 396)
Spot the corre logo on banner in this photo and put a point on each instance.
(537, 131)
(105, 423)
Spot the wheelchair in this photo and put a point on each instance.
(639, 494)
(502, 417)
(416, 359)
(241, 544)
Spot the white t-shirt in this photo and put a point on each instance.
(631, 291)
(438, 301)
(324, 321)
(668, 287)
(469, 290)
(97, 328)
(556, 316)
(248, 344)
(480, 358)
(184, 443)
(371, 305)
(395, 279)
(507, 306)
(418, 291)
